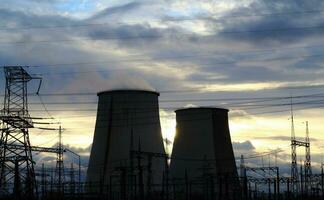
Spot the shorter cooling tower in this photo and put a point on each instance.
(203, 146)
(126, 120)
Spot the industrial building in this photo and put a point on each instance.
(127, 121)
(203, 146)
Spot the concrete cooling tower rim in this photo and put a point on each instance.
(203, 108)
(127, 91)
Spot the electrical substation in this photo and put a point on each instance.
(128, 160)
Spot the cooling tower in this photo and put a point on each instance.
(203, 146)
(126, 120)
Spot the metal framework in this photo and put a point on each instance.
(308, 166)
(308, 171)
(17, 167)
(294, 168)
(150, 155)
(59, 171)
(272, 179)
(36, 148)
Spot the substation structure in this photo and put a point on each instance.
(20, 176)
(127, 165)
(255, 183)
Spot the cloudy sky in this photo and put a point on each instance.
(246, 55)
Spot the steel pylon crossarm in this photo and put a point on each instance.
(17, 176)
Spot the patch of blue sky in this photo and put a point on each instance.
(76, 6)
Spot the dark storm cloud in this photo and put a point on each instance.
(29, 28)
(158, 43)
(23, 30)
(311, 63)
(120, 10)
(126, 33)
(28, 20)
(289, 22)
(124, 37)
(245, 73)
(166, 42)
(30, 25)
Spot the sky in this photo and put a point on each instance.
(205, 50)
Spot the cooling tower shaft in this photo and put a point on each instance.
(126, 120)
(203, 146)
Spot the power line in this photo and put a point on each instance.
(260, 106)
(165, 108)
(94, 93)
(288, 110)
(175, 92)
(314, 95)
(240, 100)
(242, 105)
(251, 114)
(143, 111)
(146, 109)
(44, 106)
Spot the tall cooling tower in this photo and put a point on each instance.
(203, 145)
(126, 119)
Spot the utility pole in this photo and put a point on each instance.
(16, 164)
(79, 168)
(59, 170)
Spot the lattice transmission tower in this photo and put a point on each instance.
(296, 187)
(308, 166)
(59, 170)
(294, 167)
(17, 176)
